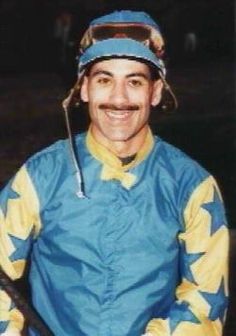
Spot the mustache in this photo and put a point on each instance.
(123, 107)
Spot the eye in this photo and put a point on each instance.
(103, 80)
(136, 82)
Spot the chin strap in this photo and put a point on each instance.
(169, 90)
(72, 149)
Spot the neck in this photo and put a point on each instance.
(128, 159)
(123, 148)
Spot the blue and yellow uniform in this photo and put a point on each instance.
(146, 250)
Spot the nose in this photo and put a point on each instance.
(118, 94)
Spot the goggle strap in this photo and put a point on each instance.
(168, 88)
(86, 40)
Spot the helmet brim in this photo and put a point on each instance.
(120, 47)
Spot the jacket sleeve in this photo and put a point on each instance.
(202, 295)
(19, 225)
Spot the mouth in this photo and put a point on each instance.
(118, 115)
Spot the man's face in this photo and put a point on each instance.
(120, 93)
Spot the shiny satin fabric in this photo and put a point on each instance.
(123, 260)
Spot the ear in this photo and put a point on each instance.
(157, 92)
(84, 90)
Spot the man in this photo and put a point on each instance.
(138, 245)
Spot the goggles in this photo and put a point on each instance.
(142, 33)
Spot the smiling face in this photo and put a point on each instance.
(120, 93)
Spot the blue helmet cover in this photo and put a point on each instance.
(122, 47)
(126, 16)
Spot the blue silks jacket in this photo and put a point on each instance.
(145, 251)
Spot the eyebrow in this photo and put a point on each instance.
(138, 74)
(101, 72)
(108, 73)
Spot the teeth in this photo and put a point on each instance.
(119, 115)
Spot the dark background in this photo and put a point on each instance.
(34, 80)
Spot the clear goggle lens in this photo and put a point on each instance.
(140, 34)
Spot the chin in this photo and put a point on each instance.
(118, 137)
